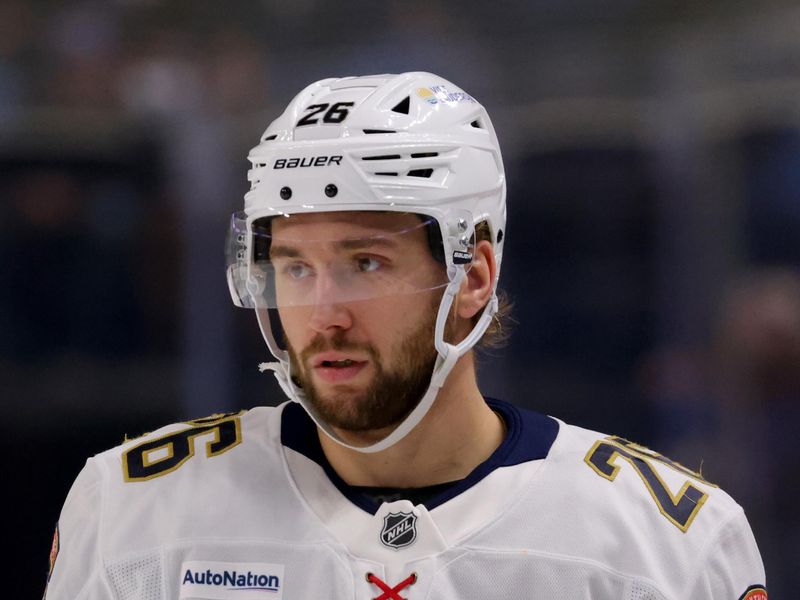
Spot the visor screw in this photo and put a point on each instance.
(286, 192)
(462, 225)
(331, 190)
(464, 241)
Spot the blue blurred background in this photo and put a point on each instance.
(653, 157)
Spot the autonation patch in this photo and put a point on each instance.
(231, 581)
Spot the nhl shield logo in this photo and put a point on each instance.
(399, 530)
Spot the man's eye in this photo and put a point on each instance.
(366, 264)
(297, 271)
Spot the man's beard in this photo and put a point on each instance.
(390, 397)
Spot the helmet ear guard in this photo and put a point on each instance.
(410, 143)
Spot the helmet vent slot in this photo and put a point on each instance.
(382, 157)
(424, 173)
(387, 174)
(477, 124)
(403, 106)
(271, 137)
(424, 154)
(368, 131)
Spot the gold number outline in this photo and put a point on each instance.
(639, 458)
(216, 424)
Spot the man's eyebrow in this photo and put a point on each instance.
(284, 252)
(277, 251)
(359, 243)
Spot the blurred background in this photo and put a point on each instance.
(652, 150)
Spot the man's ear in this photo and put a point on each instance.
(476, 289)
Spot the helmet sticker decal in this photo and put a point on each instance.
(307, 161)
(335, 114)
(439, 93)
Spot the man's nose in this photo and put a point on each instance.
(329, 310)
(327, 316)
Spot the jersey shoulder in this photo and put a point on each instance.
(175, 483)
(603, 500)
(162, 451)
(187, 460)
(635, 482)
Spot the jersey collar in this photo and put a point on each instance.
(529, 436)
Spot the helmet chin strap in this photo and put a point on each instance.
(448, 355)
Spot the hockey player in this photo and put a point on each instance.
(369, 249)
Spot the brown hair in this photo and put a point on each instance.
(499, 330)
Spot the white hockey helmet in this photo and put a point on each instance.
(409, 143)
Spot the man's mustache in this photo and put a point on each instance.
(337, 342)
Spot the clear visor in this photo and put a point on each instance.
(335, 257)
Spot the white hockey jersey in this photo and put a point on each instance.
(246, 507)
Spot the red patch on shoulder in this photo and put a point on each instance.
(754, 592)
(53, 553)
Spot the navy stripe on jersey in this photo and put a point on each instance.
(529, 436)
